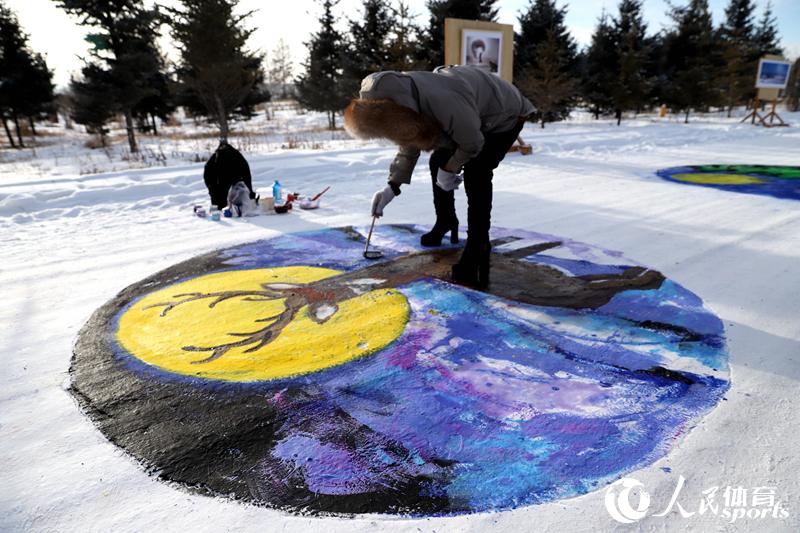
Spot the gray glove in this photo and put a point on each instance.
(448, 181)
(381, 200)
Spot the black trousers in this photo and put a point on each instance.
(478, 173)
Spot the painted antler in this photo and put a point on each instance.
(259, 338)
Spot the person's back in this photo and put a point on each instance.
(498, 103)
(225, 168)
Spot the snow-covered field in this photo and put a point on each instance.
(71, 240)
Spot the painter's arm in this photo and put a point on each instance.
(403, 165)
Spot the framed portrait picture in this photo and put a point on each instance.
(484, 45)
(482, 49)
(772, 73)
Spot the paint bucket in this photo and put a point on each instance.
(285, 208)
(307, 203)
(268, 205)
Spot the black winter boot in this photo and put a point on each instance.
(434, 236)
(444, 203)
(473, 267)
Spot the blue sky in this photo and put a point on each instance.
(61, 39)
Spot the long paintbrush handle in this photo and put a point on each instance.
(320, 194)
(369, 237)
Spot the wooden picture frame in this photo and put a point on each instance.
(463, 40)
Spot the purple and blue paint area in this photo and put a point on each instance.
(484, 402)
(767, 180)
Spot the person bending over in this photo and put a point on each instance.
(469, 119)
(226, 167)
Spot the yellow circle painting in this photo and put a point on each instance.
(258, 325)
(718, 179)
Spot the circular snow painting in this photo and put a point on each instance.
(294, 373)
(777, 181)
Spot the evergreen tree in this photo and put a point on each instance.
(541, 17)
(321, 86)
(739, 20)
(548, 82)
(433, 45)
(368, 46)
(739, 53)
(160, 104)
(630, 88)
(793, 88)
(26, 88)
(766, 35)
(597, 68)
(281, 67)
(218, 76)
(37, 100)
(90, 102)
(690, 60)
(12, 44)
(405, 41)
(546, 61)
(125, 49)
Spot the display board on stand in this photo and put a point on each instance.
(485, 45)
(771, 79)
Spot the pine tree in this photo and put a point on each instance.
(540, 17)
(90, 102)
(631, 86)
(37, 99)
(549, 82)
(280, 70)
(793, 88)
(218, 76)
(405, 40)
(690, 60)
(433, 45)
(766, 37)
(321, 86)
(26, 87)
(126, 49)
(368, 46)
(739, 53)
(160, 104)
(597, 73)
(12, 44)
(546, 61)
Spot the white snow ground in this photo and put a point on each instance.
(69, 242)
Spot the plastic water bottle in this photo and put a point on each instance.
(276, 192)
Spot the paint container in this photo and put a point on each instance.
(307, 203)
(268, 205)
(214, 214)
(285, 208)
(200, 211)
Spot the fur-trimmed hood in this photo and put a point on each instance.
(388, 108)
(385, 119)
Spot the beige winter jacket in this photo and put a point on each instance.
(466, 102)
